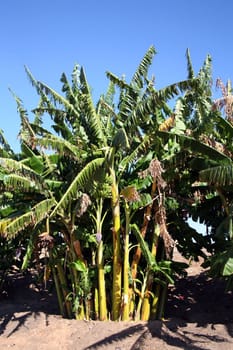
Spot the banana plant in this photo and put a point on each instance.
(206, 149)
(31, 199)
(84, 141)
(10, 248)
(220, 179)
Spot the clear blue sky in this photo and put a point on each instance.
(50, 36)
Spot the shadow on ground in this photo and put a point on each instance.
(23, 299)
(198, 313)
(201, 300)
(174, 333)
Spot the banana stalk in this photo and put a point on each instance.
(125, 314)
(64, 288)
(96, 303)
(101, 283)
(117, 267)
(102, 304)
(155, 303)
(58, 291)
(162, 301)
(146, 301)
(141, 298)
(138, 252)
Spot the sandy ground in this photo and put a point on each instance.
(198, 316)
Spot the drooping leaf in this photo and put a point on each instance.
(220, 176)
(84, 177)
(57, 143)
(11, 165)
(11, 227)
(20, 183)
(197, 147)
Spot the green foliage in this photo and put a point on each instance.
(190, 70)
(96, 157)
(140, 76)
(220, 176)
(162, 267)
(145, 249)
(5, 149)
(11, 227)
(195, 146)
(221, 265)
(120, 140)
(79, 265)
(83, 178)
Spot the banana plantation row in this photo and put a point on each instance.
(97, 201)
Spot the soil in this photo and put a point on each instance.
(198, 316)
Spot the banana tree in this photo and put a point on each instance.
(28, 200)
(75, 122)
(11, 248)
(141, 110)
(206, 150)
(219, 179)
(99, 137)
(85, 141)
